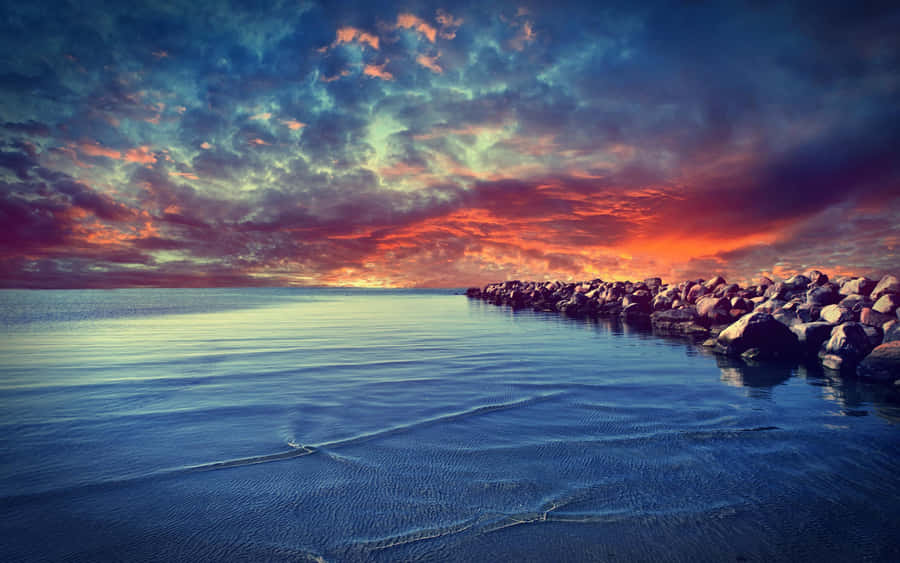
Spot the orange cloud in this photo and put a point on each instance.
(377, 71)
(205, 146)
(337, 76)
(261, 116)
(293, 124)
(351, 34)
(188, 175)
(410, 21)
(161, 54)
(140, 155)
(257, 141)
(525, 35)
(92, 148)
(430, 63)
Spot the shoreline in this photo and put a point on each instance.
(849, 325)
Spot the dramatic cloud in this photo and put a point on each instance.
(391, 144)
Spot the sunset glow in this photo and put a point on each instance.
(446, 145)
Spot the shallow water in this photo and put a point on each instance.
(282, 424)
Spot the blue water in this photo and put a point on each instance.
(342, 425)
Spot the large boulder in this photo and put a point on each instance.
(861, 286)
(714, 282)
(883, 364)
(816, 277)
(891, 331)
(696, 292)
(871, 317)
(797, 282)
(848, 344)
(822, 295)
(887, 303)
(759, 331)
(811, 336)
(855, 303)
(888, 285)
(713, 308)
(835, 314)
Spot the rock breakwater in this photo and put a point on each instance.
(847, 324)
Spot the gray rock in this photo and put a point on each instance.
(848, 341)
(687, 314)
(696, 292)
(811, 336)
(888, 285)
(874, 333)
(883, 364)
(787, 316)
(706, 305)
(862, 286)
(887, 303)
(855, 302)
(835, 314)
(816, 277)
(822, 295)
(714, 282)
(764, 281)
(891, 331)
(797, 282)
(758, 330)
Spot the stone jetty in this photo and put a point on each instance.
(851, 325)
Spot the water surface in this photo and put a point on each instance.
(350, 425)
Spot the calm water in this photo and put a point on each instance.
(285, 425)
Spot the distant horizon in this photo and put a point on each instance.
(446, 144)
(741, 281)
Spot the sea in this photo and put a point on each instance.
(294, 424)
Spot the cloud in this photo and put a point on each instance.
(410, 21)
(430, 62)
(449, 24)
(354, 35)
(377, 71)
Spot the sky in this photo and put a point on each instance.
(445, 144)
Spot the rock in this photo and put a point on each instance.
(808, 313)
(653, 282)
(891, 331)
(706, 305)
(855, 303)
(796, 282)
(761, 331)
(811, 336)
(687, 314)
(874, 333)
(714, 283)
(883, 364)
(816, 277)
(764, 281)
(696, 292)
(849, 342)
(473, 292)
(888, 285)
(887, 303)
(635, 311)
(835, 314)
(787, 316)
(709, 343)
(776, 291)
(871, 317)
(822, 295)
(861, 286)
